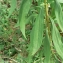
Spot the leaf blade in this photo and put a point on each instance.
(47, 51)
(25, 6)
(13, 6)
(36, 35)
(57, 39)
(59, 14)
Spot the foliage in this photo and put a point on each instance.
(40, 22)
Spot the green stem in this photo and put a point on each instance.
(47, 18)
(46, 10)
(48, 24)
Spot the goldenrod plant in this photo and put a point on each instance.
(46, 20)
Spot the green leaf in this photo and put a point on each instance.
(59, 14)
(47, 52)
(37, 33)
(57, 39)
(25, 6)
(13, 6)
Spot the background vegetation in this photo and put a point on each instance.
(31, 31)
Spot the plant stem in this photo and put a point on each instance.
(47, 18)
(48, 24)
(46, 10)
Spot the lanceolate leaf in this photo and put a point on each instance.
(25, 6)
(47, 52)
(59, 14)
(37, 33)
(57, 39)
(13, 6)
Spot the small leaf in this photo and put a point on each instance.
(13, 6)
(25, 6)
